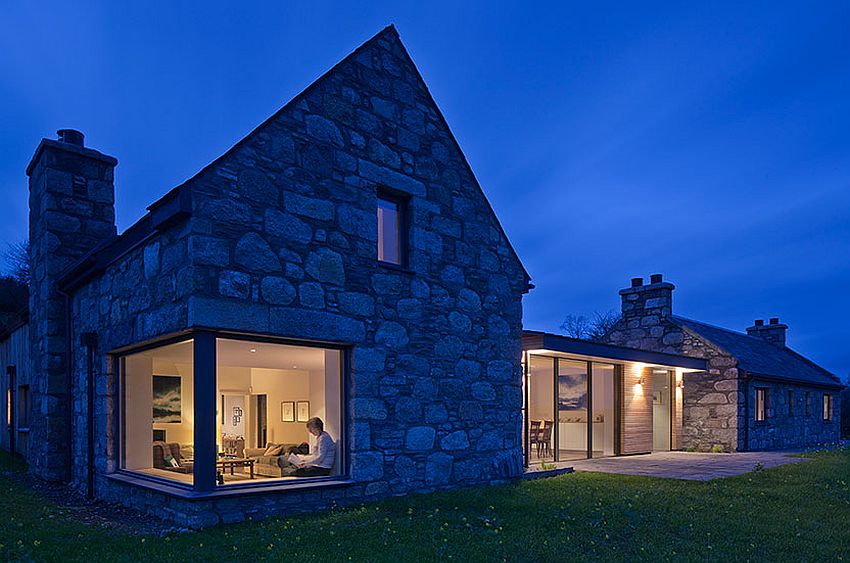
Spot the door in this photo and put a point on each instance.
(262, 421)
(662, 419)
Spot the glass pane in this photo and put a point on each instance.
(158, 413)
(541, 408)
(279, 411)
(389, 247)
(602, 418)
(572, 410)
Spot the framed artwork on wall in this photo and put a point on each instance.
(167, 407)
(287, 411)
(303, 411)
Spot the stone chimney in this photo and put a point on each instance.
(647, 310)
(773, 332)
(72, 210)
(647, 305)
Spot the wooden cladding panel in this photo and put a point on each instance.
(636, 421)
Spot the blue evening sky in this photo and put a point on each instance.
(707, 142)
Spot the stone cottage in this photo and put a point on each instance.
(756, 394)
(330, 312)
(339, 263)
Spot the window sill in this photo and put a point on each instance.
(186, 493)
(395, 267)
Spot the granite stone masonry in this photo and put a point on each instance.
(278, 237)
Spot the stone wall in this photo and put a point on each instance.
(711, 404)
(142, 296)
(282, 241)
(71, 212)
(710, 411)
(784, 431)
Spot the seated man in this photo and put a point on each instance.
(321, 461)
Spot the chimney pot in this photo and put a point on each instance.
(656, 278)
(759, 322)
(637, 282)
(71, 136)
(774, 320)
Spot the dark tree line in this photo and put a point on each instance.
(14, 284)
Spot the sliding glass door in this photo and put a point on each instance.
(541, 409)
(570, 411)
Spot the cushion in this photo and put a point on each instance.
(273, 450)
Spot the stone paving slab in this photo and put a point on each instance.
(686, 465)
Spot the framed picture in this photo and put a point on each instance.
(287, 411)
(572, 392)
(303, 411)
(167, 407)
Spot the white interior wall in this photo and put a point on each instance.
(282, 385)
(138, 412)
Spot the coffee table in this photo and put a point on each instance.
(233, 463)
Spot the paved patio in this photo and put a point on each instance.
(686, 465)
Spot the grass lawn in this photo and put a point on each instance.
(795, 512)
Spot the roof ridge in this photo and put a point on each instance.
(753, 339)
(716, 327)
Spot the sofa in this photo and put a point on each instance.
(273, 465)
(183, 455)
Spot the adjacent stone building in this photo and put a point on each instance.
(756, 393)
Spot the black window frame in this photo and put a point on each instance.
(402, 202)
(764, 393)
(808, 403)
(790, 402)
(209, 489)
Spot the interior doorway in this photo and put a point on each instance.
(662, 416)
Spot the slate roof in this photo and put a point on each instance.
(760, 357)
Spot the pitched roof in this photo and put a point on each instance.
(389, 34)
(760, 357)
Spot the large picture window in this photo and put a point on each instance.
(279, 411)
(275, 411)
(158, 417)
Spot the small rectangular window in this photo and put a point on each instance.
(827, 407)
(790, 402)
(808, 403)
(762, 404)
(390, 225)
